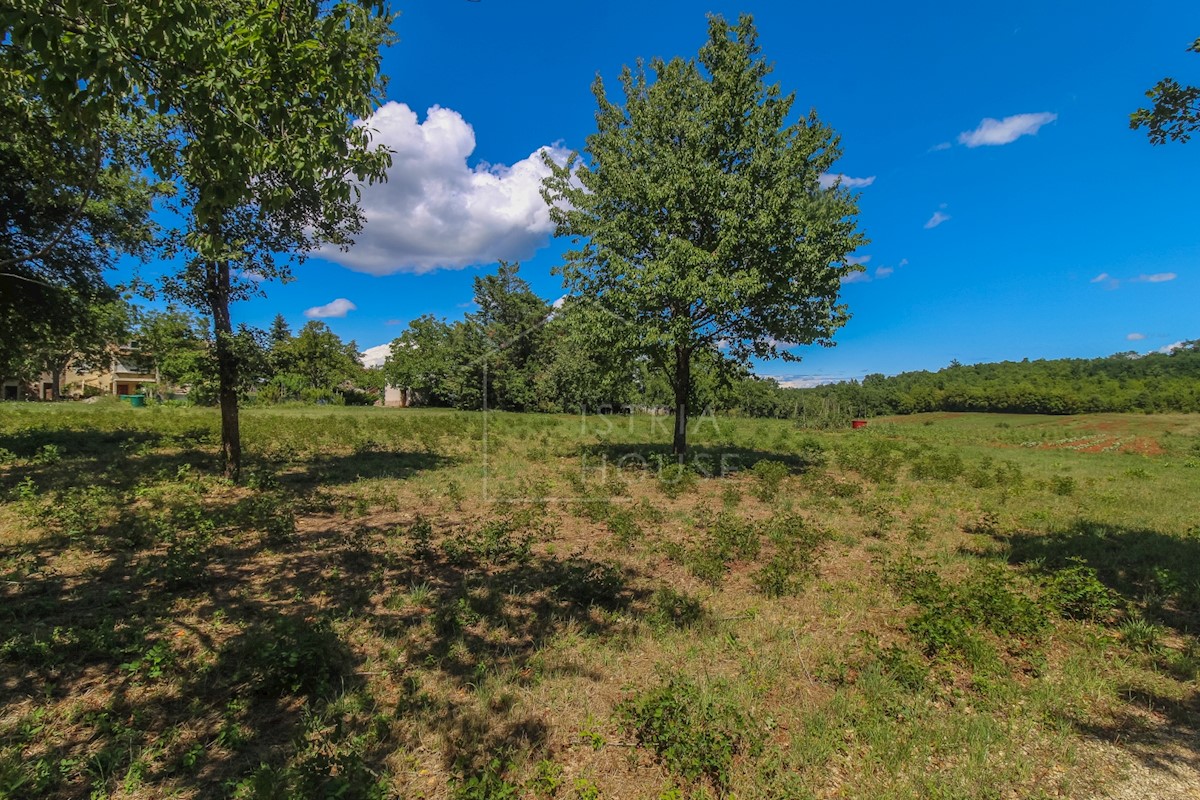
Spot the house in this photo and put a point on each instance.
(40, 389)
(125, 375)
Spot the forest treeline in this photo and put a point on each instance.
(519, 353)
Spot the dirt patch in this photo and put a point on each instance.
(1103, 443)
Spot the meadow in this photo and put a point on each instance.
(441, 604)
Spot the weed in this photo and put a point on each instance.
(1141, 634)
(1063, 485)
(625, 529)
(671, 608)
(937, 466)
(675, 480)
(694, 731)
(546, 780)
(768, 476)
(488, 784)
(1077, 592)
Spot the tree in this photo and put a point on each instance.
(509, 328)
(1175, 114)
(320, 359)
(260, 98)
(66, 210)
(700, 215)
(178, 345)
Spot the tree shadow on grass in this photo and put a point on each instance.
(1154, 572)
(1156, 575)
(263, 682)
(707, 460)
(329, 470)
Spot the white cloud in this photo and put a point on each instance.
(940, 146)
(337, 309)
(435, 211)
(1158, 277)
(828, 179)
(1171, 348)
(857, 259)
(937, 219)
(1007, 130)
(1136, 337)
(375, 356)
(883, 272)
(559, 302)
(803, 381)
(1103, 276)
(856, 277)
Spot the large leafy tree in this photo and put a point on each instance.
(68, 206)
(260, 97)
(699, 217)
(177, 344)
(1175, 113)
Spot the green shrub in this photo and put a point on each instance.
(671, 608)
(938, 466)
(695, 732)
(1077, 592)
(1063, 485)
(287, 656)
(676, 479)
(768, 476)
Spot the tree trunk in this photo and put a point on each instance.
(682, 383)
(218, 299)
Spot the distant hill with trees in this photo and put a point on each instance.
(1154, 382)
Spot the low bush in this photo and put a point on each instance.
(695, 732)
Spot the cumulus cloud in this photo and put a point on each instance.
(435, 210)
(1103, 276)
(937, 219)
(375, 356)
(883, 272)
(1158, 277)
(1007, 130)
(828, 179)
(337, 309)
(1136, 337)
(857, 259)
(856, 277)
(1171, 348)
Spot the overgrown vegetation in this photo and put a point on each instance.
(955, 609)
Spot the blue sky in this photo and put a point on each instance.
(1033, 207)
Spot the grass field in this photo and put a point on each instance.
(414, 604)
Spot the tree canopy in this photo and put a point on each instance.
(1175, 113)
(698, 216)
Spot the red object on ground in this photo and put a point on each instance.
(858, 423)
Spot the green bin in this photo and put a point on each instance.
(137, 400)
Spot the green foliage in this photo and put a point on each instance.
(671, 608)
(1077, 592)
(675, 480)
(488, 784)
(1141, 634)
(285, 656)
(1175, 114)
(792, 564)
(695, 731)
(768, 475)
(692, 208)
(1151, 382)
(937, 465)
(951, 616)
